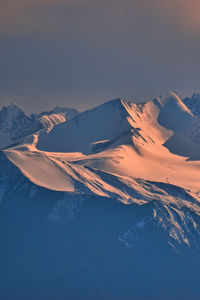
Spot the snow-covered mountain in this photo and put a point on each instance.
(56, 116)
(193, 104)
(105, 205)
(15, 125)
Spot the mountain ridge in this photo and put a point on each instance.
(112, 138)
(15, 125)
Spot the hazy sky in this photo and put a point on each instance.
(80, 53)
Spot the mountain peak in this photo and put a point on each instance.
(12, 106)
(173, 101)
(15, 125)
(193, 104)
(170, 97)
(69, 112)
(114, 101)
(11, 111)
(196, 96)
(174, 114)
(98, 125)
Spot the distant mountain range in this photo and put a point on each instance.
(15, 125)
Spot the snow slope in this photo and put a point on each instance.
(193, 104)
(174, 114)
(56, 116)
(82, 133)
(120, 138)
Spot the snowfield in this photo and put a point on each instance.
(120, 138)
(105, 205)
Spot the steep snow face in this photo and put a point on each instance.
(56, 116)
(48, 121)
(193, 104)
(174, 114)
(184, 126)
(15, 125)
(118, 122)
(92, 130)
(120, 138)
(68, 112)
(183, 120)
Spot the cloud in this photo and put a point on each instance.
(96, 49)
(184, 13)
(20, 17)
(51, 16)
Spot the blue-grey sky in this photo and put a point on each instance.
(80, 53)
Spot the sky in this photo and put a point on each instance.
(80, 53)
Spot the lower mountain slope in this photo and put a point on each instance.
(58, 245)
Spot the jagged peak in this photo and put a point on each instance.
(169, 97)
(173, 99)
(196, 96)
(58, 110)
(14, 104)
(112, 102)
(11, 108)
(115, 103)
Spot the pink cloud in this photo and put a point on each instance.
(20, 16)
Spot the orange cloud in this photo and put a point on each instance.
(24, 15)
(185, 13)
(44, 15)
